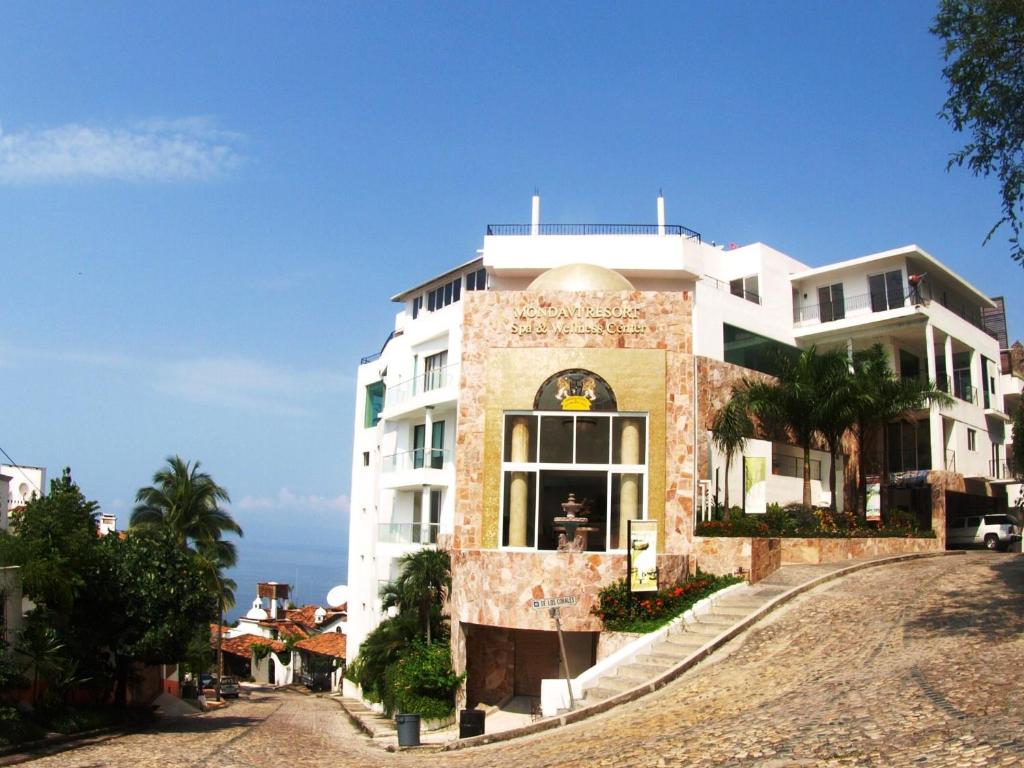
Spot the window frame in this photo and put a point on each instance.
(535, 469)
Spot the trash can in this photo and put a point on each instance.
(471, 723)
(408, 730)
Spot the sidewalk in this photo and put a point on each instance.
(516, 718)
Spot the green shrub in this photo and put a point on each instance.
(15, 729)
(819, 522)
(422, 681)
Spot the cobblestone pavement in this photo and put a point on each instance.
(903, 665)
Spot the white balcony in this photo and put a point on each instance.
(413, 395)
(418, 467)
(408, 533)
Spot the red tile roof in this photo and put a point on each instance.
(242, 645)
(326, 644)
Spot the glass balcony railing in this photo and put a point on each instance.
(428, 381)
(408, 533)
(419, 458)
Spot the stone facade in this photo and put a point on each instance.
(504, 362)
(839, 550)
(725, 555)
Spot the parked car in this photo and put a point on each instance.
(992, 531)
(228, 687)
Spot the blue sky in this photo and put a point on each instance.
(205, 207)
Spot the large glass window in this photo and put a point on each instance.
(433, 371)
(598, 457)
(754, 351)
(374, 403)
(830, 303)
(886, 290)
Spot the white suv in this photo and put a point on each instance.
(994, 531)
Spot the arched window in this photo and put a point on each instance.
(574, 441)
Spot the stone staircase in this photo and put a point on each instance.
(374, 724)
(682, 641)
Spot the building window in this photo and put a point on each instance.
(417, 305)
(886, 291)
(477, 281)
(444, 295)
(420, 456)
(751, 350)
(374, 403)
(599, 457)
(746, 288)
(366, 458)
(434, 371)
(793, 466)
(830, 303)
(910, 446)
(972, 440)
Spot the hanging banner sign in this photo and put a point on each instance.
(755, 485)
(643, 555)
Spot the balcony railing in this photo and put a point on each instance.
(427, 381)
(592, 229)
(725, 287)
(958, 388)
(1000, 470)
(408, 533)
(837, 310)
(418, 458)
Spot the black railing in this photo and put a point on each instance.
(371, 358)
(593, 229)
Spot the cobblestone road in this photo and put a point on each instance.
(910, 664)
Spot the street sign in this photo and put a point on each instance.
(553, 602)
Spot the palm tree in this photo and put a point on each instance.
(884, 397)
(835, 410)
(424, 583)
(793, 401)
(186, 502)
(729, 430)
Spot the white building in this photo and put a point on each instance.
(572, 297)
(18, 485)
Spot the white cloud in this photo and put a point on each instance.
(239, 382)
(188, 149)
(286, 499)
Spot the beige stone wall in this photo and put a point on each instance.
(496, 587)
(724, 555)
(839, 550)
(490, 667)
(940, 482)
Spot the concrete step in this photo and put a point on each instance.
(714, 619)
(637, 673)
(600, 693)
(618, 684)
(651, 669)
(728, 610)
(688, 640)
(706, 631)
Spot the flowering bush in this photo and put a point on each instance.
(649, 610)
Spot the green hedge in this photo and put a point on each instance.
(818, 523)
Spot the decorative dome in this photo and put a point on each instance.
(580, 277)
(256, 613)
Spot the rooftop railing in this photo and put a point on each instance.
(721, 285)
(505, 230)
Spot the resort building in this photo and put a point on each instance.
(531, 402)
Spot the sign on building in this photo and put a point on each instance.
(643, 555)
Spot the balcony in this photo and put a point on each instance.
(720, 285)
(419, 458)
(865, 303)
(408, 533)
(950, 461)
(1001, 470)
(425, 389)
(959, 387)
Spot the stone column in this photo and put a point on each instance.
(519, 492)
(629, 497)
